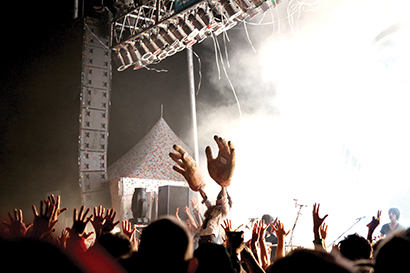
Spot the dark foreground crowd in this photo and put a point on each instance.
(170, 245)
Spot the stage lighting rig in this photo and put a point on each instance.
(157, 29)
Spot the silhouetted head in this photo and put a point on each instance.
(31, 255)
(213, 258)
(392, 255)
(116, 244)
(355, 247)
(166, 245)
(305, 260)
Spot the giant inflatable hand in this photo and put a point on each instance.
(221, 168)
(188, 168)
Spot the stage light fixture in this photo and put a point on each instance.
(178, 32)
(126, 57)
(174, 44)
(197, 23)
(207, 18)
(151, 46)
(119, 61)
(169, 37)
(162, 45)
(145, 53)
(189, 30)
(253, 12)
(232, 9)
(266, 5)
(136, 56)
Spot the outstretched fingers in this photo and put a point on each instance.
(208, 153)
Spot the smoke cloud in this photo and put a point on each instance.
(324, 112)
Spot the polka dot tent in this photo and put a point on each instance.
(146, 165)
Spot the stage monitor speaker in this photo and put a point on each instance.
(172, 197)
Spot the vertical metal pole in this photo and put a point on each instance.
(193, 114)
(75, 15)
(193, 104)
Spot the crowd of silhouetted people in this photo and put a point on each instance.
(203, 243)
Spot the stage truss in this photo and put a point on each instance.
(159, 29)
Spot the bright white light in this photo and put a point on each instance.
(332, 92)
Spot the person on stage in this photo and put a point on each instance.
(393, 226)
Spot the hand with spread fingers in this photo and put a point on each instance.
(222, 167)
(16, 228)
(127, 229)
(109, 223)
(319, 229)
(281, 234)
(317, 220)
(188, 168)
(98, 220)
(80, 221)
(44, 221)
(56, 201)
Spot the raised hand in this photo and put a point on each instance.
(265, 259)
(280, 231)
(80, 221)
(98, 220)
(109, 223)
(186, 209)
(16, 228)
(255, 233)
(227, 225)
(56, 202)
(375, 220)
(323, 231)
(317, 220)
(44, 222)
(222, 167)
(318, 229)
(127, 229)
(188, 168)
(281, 234)
(62, 239)
(373, 224)
(262, 230)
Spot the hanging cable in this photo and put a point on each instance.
(249, 39)
(154, 69)
(227, 77)
(199, 70)
(216, 57)
(226, 48)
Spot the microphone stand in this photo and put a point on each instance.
(294, 225)
(355, 223)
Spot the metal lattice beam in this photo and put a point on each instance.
(159, 29)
